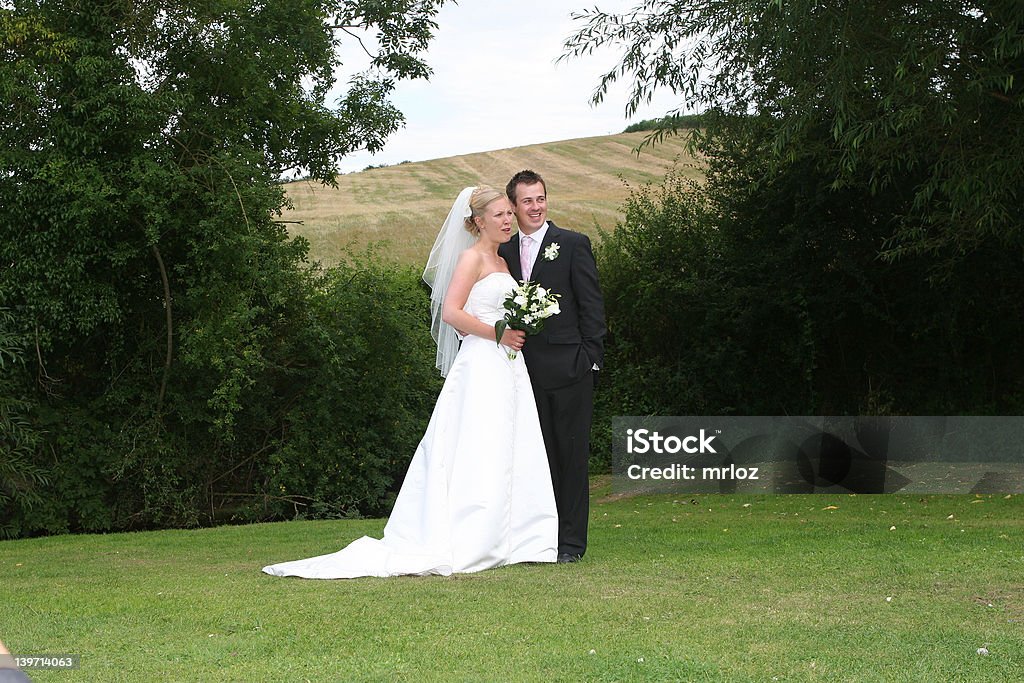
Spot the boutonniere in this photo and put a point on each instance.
(551, 253)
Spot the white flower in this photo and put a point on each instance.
(541, 292)
(520, 300)
(551, 253)
(552, 309)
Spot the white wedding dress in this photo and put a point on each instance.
(478, 491)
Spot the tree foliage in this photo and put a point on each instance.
(925, 96)
(19, 475)
(176, 325)
(856, 243)
(769, 298)
(674, 122)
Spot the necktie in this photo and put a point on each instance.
(525, 247)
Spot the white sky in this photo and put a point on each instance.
(496, 84)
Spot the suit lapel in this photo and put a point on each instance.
(515, 266)
(540, 263)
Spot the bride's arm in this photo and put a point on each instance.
(467, 272)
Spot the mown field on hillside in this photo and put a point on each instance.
(588, 179)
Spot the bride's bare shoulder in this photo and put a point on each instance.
(469, 265)
(470, 257)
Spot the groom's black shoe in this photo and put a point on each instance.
(566, 558)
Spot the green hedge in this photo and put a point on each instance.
(682, 121)
(756, 293)
(308, 405)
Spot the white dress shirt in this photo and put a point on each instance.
(537, 239)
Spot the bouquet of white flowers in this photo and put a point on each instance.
(527, 307)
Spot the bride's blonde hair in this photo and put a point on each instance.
(478, 201)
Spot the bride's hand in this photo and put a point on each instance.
(513, 339)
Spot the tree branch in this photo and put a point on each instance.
(361, 43)
(170, 328)
(44, 379)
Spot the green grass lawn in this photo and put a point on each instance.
(714, 588)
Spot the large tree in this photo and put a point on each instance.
(855, 244)
(926, 95)
(169, 319)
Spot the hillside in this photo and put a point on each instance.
(406, 204)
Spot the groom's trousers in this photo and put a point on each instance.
(565, 416)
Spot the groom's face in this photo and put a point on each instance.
(531, 207)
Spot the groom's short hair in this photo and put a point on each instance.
(524, 177)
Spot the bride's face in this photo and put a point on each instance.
(496, 222)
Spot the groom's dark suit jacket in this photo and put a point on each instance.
(571, 342)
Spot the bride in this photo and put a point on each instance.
(478, 491)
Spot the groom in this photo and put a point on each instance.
(565, 357)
